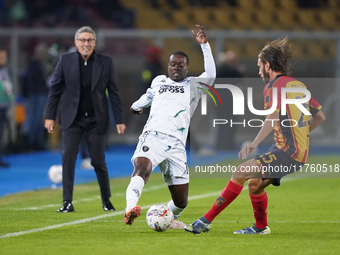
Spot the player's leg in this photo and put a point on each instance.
(268, 162)
(139, 178)
(175, 173)
(259, 200)
(147, 156)
(140, 175)
(234, 187)
(179, 195)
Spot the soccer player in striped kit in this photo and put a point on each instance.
(290, 149)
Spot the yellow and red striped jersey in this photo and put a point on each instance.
(291, 133)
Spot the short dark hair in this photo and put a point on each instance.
(278, 54)
(182, 54)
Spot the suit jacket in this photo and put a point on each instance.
(65, 91)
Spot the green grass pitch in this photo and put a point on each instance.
(303, 214)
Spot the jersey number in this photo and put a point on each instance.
(270, 158)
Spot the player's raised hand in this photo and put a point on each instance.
(201, 37)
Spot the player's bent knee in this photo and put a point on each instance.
(142, 172)
(255, 186)
(238, 181)
(253, 189)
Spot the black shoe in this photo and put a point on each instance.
(67, 207)
(107, 206)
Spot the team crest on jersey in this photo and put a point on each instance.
(220, 200)
(171, 89)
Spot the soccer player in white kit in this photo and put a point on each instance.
(173, 101)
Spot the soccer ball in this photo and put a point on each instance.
(55, 174)
(159, 217)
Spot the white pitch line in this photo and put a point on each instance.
(61, 225)
(104, 216)
(69, 223)
(90, 219)
(147, 189)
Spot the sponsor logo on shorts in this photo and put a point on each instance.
(145, 148)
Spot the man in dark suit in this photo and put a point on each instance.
(78, 97)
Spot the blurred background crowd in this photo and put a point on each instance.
(65, 13)
(139, 36)
(129, 14)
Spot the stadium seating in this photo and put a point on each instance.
(247, 15)
(334, 4)
(288, 5)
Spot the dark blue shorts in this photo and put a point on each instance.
(276, 163)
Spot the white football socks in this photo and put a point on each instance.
(176, 210)
(133, 192)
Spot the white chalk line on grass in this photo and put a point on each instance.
(61, 225)
(93, 218)
(147, 189)
(121, 212)
(101, 216)
(108, 214)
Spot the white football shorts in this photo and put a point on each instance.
(167, 152)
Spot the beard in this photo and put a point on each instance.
(265, 77)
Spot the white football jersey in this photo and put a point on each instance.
(173, 103)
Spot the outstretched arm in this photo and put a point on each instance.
(143, 102)
(209, 63)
